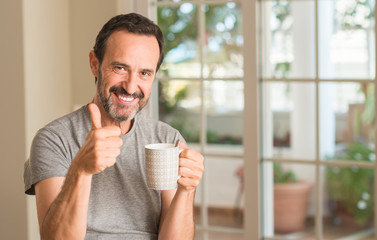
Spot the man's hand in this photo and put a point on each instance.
(177, 205)
(191, 168)
(101, 146)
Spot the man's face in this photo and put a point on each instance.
(126, 74)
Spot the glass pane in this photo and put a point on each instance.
(224, 103)
(225, 192)
(224, 41)
(289, 128)
(179, 106)
(346, 120)
(349, 203)
(346, 39)
(288, 39)
(291, 186)
(180, 28)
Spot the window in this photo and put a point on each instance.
(318, 80)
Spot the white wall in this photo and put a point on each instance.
(47, 77)
(86, 20)
(47, 62)
(12, 122)
(45, 71)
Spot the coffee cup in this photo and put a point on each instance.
(162, 163)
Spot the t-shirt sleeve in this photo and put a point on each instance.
(48, 158)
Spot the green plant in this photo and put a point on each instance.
(352, 187)
(282, 176)
(170, 102)
(368, 114)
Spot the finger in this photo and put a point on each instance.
(109, 142)
(191, 170)
(113, 153)
(109, 131)
(115, 142)
(105, 156)
(104, 163)
(191, 164)
(181, 145)
(186, 172)
(95, 115)
(192, 155)
(188, 183)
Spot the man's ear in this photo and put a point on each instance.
(94, 64)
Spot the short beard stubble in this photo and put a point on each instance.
(108, 103)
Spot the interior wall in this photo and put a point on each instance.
(87, 18)
(47, 62)
(12, 123)
(47, 77)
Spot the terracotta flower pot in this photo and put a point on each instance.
(290, 206)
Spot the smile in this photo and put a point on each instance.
(125, 98)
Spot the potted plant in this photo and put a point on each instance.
(351, 189)
(291, 197)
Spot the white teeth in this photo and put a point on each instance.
(127, 99)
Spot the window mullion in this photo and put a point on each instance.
(375, 121)
(203, 122)
(318, 188)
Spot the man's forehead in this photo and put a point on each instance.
(123, 45)
(121, 35)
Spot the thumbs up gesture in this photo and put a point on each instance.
(101, 146)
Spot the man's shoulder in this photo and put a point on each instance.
(53, 148)
(77, 120)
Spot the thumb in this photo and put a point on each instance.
(95, 115)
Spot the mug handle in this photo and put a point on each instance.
(178, 156)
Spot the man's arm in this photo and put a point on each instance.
(62, 203)
(177, 216)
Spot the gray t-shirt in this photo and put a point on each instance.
(121, 206)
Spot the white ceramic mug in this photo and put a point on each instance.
(162, 163)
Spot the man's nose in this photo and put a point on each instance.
(130, 84)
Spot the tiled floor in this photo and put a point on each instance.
(227, 218)
(221, 218)
(220, 236)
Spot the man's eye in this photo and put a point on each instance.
(145, 74)
(119, 69)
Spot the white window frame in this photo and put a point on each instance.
(317, 163)
(251, 138)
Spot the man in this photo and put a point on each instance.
(87, 169)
